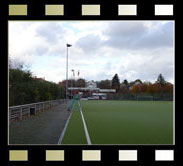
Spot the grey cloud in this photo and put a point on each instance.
(136, 36)
(52, 32)
(149, 69)
(162, 37)
(89, 43)
(125, 29)
(123, 39)
(40, 51)
(133, 36)
(100, 76)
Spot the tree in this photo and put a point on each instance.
(104, 84)
(124, 87)
(161, 80)
(125, 82)
(168, 88)
(136, 89)
(25, 89)
(154, 88)
(116, 83)
(36, 95)
(80, 82)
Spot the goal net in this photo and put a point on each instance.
(74, 100)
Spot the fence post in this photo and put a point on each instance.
(29, 111)
(20, 113)
(35, 108)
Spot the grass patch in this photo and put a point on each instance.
(129, 122)
(75, 130)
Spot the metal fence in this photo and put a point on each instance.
(21, 111)
(129, 96)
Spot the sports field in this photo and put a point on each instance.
(121, 122)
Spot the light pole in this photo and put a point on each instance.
(72, 82)
(66, 89)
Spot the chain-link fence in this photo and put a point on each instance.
(130, 96)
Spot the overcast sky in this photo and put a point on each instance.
(132, 49)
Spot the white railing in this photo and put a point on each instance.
(21, 111)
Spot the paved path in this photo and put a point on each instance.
(44, 128)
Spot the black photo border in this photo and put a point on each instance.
(73, 154)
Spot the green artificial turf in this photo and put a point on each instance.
(75, 130)
(129, 122)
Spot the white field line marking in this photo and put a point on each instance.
(64, 130)
(85, 128)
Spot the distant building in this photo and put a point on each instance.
(91, 90)
(91, 84)
(133, 83)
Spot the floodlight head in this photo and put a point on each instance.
(69, 45)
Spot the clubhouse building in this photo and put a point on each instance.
(90, 91)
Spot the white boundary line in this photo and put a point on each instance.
(64, 130)
(85, 128)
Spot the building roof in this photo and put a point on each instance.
(91, 84)
(107, 90)
(94, 89)
(80, 88)
(99, 94)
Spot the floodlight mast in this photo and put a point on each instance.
(72, 83)
(66, 89)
